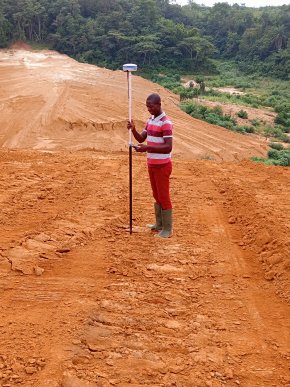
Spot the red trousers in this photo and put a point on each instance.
(159, 178)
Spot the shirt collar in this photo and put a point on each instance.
(158, 118)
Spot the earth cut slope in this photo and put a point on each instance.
(50, 101)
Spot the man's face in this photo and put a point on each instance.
(153, 108)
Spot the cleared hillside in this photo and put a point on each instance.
(50, 101)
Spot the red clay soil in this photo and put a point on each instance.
(20, 45)
(86, 304)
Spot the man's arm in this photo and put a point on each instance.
(140, 137)
(162, 148)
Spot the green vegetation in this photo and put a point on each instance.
(276, 145)
(155, 33)
(274, 96)
(275, 157)
(259, 92)
(255, 122)
(172, 81)
(109, 32)
(214, 116)
(256, 38)
(242, 114)
(277, 133)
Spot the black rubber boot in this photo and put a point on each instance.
(166, 231)
(158, 216)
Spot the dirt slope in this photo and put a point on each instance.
(98, 307)
(49, 101)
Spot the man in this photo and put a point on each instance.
(158, 132)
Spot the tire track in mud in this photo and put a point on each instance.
(240, 290)
(255, 206)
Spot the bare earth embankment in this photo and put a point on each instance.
(83, 303)
(49, 101)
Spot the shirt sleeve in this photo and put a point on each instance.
(167, 129)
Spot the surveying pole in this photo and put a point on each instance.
(129, 67)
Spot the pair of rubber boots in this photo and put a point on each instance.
(163, 222)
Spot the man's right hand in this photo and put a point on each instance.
(131, 125)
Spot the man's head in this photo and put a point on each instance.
(153, 103)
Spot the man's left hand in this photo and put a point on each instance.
(141, 148)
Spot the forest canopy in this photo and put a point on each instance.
(154, 33)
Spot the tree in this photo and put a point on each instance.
(196, 48)
(5, 26)
(146, 48)
(144, 15)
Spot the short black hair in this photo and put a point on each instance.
(155, 98)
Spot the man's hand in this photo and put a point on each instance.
(141, 148)
(140, 137)
(131, 125)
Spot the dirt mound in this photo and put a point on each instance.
(20, 45)
(49, 101)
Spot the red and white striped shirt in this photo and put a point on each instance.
(158, 129)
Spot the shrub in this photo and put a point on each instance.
(276, 157)
(281, 107)
(276, 132)
(275, 92)
(255, 122)
(258, 159)
(283, 118)
(239, 129)
(273, 154)
(218, 110)
(283, 137)
(249, 129)
(242, 114)
(276, 145)
(186, 93)
(214, 116)
(281, 157)
(283, 161)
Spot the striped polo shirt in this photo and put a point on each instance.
(158, 129)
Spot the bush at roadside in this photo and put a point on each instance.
(275, 157)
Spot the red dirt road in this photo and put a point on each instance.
(83, 303)
(209, 307)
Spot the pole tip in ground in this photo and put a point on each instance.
(136, 229)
